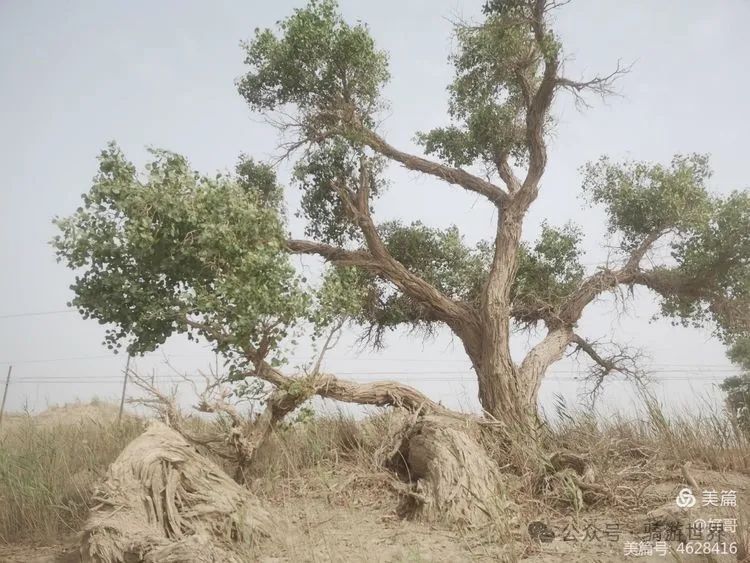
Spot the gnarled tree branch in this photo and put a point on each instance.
(536, 113)
(449, 174)
(377, 393)
(379, 260)
(447, 310)
(606, 279)
(334, 254)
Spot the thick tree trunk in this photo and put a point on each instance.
(505, 392)
(509, 392)
(506, 395)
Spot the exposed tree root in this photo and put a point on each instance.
(163, 502)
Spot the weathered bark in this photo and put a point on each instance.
(279, 404)
(377, 393)
(449, 475)
(509, 392)
(163, 502)
(506, 397)
(502, 389)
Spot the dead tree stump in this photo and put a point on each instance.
(163, 502)
(449, 475)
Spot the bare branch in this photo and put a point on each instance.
(165, 405)
(601, 86)
(241, 440)
(539, 102)
(555, 4)
(329, 344)
(619, 359)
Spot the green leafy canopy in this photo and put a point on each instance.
(549, 271)
(498, 64)
(319, 174)
(641, 198)
(708, 237)
(317, 62)
(313, 67)
(172, 251)
(173, 245)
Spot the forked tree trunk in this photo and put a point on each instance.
(505, 392)
(509, 392)
(506, 396)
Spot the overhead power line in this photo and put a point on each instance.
(37, 314)
(329, 360)
(112, 356)
(696, 369)
(362, 377)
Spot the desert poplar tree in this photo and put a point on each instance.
(169, 250)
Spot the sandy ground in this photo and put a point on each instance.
(329, 516)
(318, 527)
(74, 413)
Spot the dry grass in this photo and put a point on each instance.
(707, 437)
(46, 469)
(325, 442)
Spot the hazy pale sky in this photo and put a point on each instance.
(77, 74)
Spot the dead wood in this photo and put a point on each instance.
(450, 476)
(163, 502)
(582, 466)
